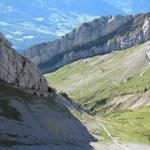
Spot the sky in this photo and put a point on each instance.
(131, 6)
(26, 23)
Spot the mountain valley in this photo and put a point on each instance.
(88, 90)
(111, 86)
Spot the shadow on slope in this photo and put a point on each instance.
(28, 120)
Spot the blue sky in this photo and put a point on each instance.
(131, 6)
(26, 23)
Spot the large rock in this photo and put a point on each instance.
(17, 70)
(100, 36)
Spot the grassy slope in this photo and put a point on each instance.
(94, 80)
(131, 125)
(6, 94)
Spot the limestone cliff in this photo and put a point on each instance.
(17, 70)
(100, 36)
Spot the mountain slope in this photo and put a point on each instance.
(100, 36)
(32, 122)
(115, 87)
(29, 119)
(54, 120)
(130, 125)
(106, 83)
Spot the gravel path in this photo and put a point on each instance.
(98, 146)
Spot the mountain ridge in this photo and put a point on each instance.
(100, 36)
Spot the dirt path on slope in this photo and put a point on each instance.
(97, 120)
(114, 140)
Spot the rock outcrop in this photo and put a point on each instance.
(19, 71)
(32, 120)
(100, 36)
(27, 119)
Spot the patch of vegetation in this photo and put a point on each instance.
(12, 135)
(6, 143)
(104, 137)
(62, 75)
(130, 125)
(11, 91)
(126, 52)
(93, 80)
(8, 111)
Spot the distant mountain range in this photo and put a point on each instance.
(29, 23)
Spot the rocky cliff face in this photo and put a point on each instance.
(17, 70)
(27, 119)
(103, 35)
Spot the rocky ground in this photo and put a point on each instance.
(116, 147)
(96, 146)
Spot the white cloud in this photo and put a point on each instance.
(58, 23)
(126, 5)
(61, 33)
(17, 33)
(40, 19)
(28, 37)
(127, 10)
(18, 39)
(14, 35)
(32, 27)
(14, 47)
(4, 24)
(9, 36)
